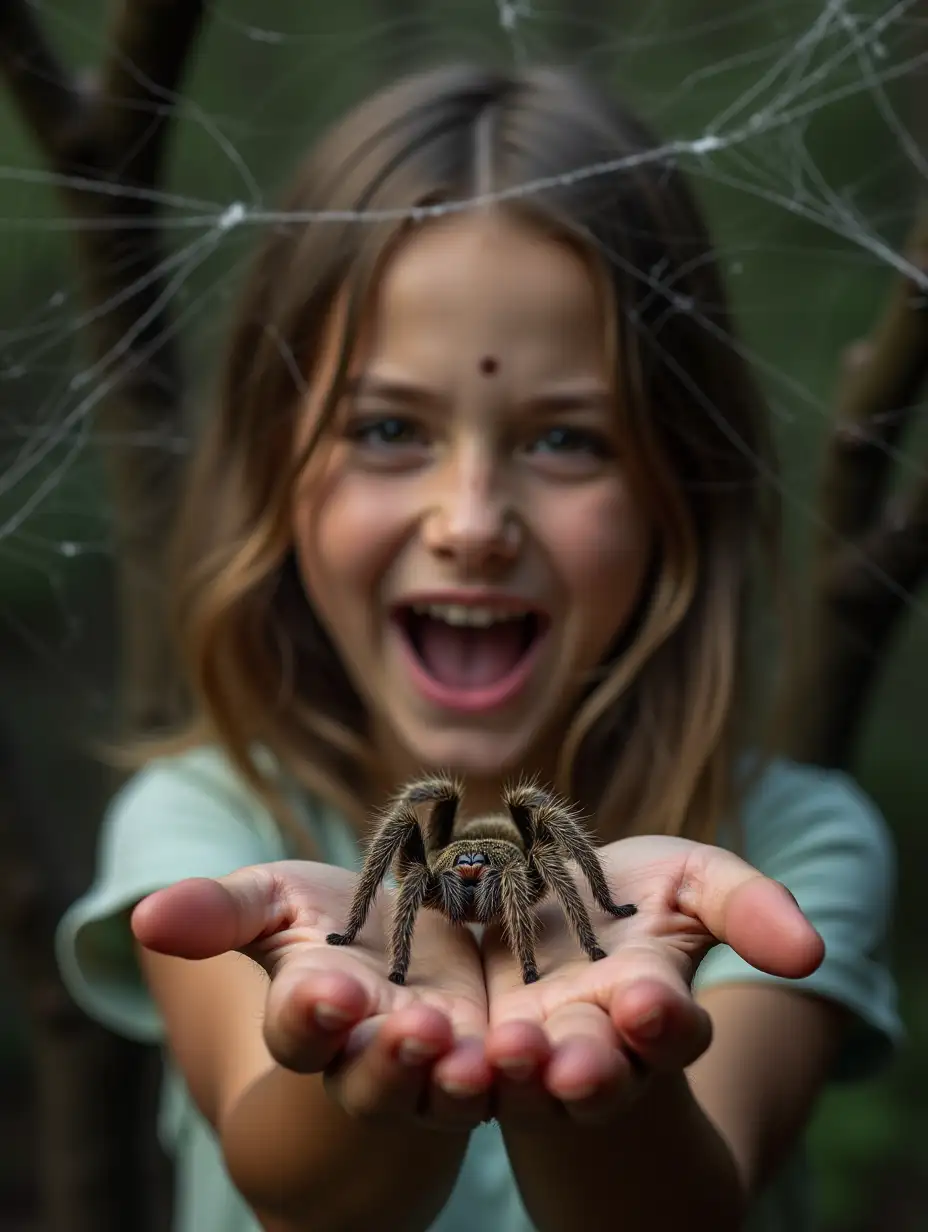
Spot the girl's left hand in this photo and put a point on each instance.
(585, 1036)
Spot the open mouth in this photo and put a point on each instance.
(468, 650)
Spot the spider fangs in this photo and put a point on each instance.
(485, 869)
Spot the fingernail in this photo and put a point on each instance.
(416, 1052)
(578, 1093)
(460, 1090)
(650, 1025)
(517, 1068)
(788, 891)
(330, 1017)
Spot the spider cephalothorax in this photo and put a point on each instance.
(480, 870)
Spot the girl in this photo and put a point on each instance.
(485, 490)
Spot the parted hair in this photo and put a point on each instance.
(652, 743)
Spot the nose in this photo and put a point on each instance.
(472, 522)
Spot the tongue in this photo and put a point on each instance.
(470, 658)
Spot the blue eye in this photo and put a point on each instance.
(562, 440)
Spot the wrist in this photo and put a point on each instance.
(650, 1098)
(295, 1155)
(572, 1175)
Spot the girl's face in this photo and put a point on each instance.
(469, 537)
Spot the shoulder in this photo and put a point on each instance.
(193, 800)
(204, 770)
(195, 812)
(793, 812)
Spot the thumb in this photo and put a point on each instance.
(758, 917)
(202, 917)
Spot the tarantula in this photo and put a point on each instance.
(482, 869)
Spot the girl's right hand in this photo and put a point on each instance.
(385, 1050)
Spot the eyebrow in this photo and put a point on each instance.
(563, 400)
(560, 400)
(366, 385)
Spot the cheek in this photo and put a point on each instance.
(345, 533)
(602, 544)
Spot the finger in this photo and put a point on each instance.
(459, 1096)
(309, 1015)
(660, 1023)
(757, 917)
(588, 1072)
(519, 1052)
(387, 1062)
(202, 917)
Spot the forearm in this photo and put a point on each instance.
(296, 1157)
(635, 1171)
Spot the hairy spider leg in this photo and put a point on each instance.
(410, 898)
(453, 896)
(518, 917)
(554, 873)
(400, 824)
(569, 835)
(488, 900)
(537, 814)
(444, 796)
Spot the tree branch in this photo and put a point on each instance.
(873, 555)
(897, 551)
(882, 378)
(49, 99)
(73, 1058)
(858, 608)
(114, 132)
(151, 41)
(117, 133)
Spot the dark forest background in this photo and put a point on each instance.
(813, 207)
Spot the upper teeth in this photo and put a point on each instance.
(455, 614)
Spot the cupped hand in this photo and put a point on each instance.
(585, 1034)
(386, 1050)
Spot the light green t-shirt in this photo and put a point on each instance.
(193, 816)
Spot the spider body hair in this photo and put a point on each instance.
(483, 870)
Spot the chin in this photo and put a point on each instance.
(469, 753)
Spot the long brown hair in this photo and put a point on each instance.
(652, 745)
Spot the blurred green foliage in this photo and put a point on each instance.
(801, 207)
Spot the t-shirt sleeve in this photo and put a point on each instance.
(818, 834)
(180, 817)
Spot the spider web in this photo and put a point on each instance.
(795, 121)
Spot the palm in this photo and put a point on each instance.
(446, 972)
(689, 896)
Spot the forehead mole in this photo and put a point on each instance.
(488, 365)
